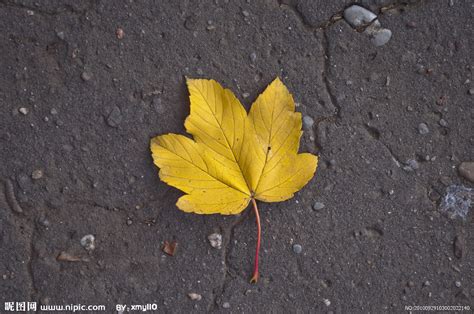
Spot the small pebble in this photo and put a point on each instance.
(308, 122)
(245, 13)
(68, 257)
(245, 95)
(318, 205)
(413, 164)
(60, 35)
(226, 305)
(129, 222)
(358, 16)
(325, 283)
(37, 174)
(215, 240)
(86, 76)
(458, 246)
(426, 283)
(466, 170)
(297, 248)
(23, 110)
(115, 117)
(443, 123)
(119, 33)
(53, 111)
(44, 221)
(326, 302)
(88, 242)
(253, 57)
(423, 129)
(191, 23)
(194, 296)
(379, 36)
(434, 195)
(471, 91)
(458, 284)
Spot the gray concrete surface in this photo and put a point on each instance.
(81, 104)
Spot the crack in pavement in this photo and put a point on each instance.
(29, 267)
(331, 96)
(325, 74)
(11, 198)
(339, 15)
(395, 158)
(28, 232)
(227, 248)
(292, 7)
(326, 57)
(399, 5)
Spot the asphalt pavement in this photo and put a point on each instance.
(385, 225)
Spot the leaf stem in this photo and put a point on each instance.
(259, 231)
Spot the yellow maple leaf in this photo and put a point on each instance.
(235, 158)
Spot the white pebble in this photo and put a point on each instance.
(379, 36)
(253, 57)
(194, 296)
(318, 205)
(37, 174)
(88, 242)
(297, 248)
(423, 129)
(215, 240)
(358, 16)
(308, 122)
